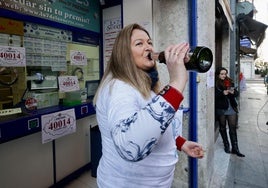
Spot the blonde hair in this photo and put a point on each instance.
(122, 66)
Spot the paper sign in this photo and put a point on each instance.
(78, 58)
(68, 83)
(10, 26)
(210, 78)
(12, 56)
(58, 124)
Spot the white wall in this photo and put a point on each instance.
(138, 11)
(170, 26)
(247, 67)
(26, 162)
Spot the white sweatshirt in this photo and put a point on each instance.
(138, 138)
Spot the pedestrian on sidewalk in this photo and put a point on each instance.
(242, 82)
(226, 109)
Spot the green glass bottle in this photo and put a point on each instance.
(201, 59)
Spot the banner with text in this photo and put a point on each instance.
(78, 13)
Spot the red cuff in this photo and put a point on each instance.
(179, 142)
(173, 96)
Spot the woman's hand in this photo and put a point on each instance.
(225, 92)
(193, 149)
(176, 56)
(228, 91)
(231, 90)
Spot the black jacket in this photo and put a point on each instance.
(221, 100)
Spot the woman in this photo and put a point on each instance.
(138, 124)
(226, 109)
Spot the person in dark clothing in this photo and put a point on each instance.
(226, 109)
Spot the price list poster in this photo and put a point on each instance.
(111, 30)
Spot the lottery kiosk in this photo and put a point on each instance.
(49, 72)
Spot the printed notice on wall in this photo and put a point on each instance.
(58, 124)
(111, 29)
(210, 78)
(12, 56)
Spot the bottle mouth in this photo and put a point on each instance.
(153, 56)
(205, 58)
(150, 56)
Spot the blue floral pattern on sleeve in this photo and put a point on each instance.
(128, 148)
(163, 115)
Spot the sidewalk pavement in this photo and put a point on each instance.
(251, 171)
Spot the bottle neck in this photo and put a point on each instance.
(158, 56)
